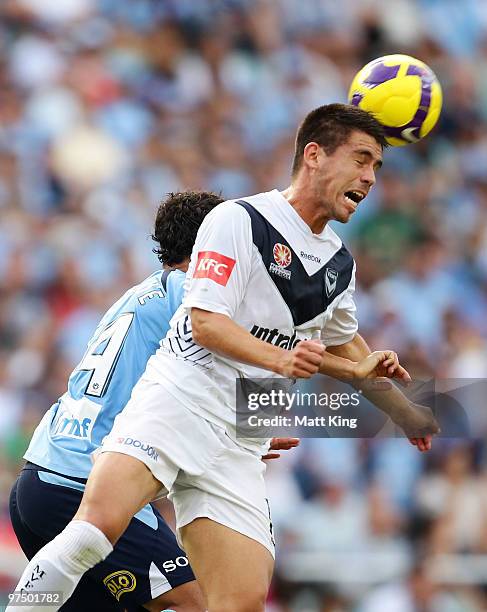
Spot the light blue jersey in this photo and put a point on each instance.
(101, 384)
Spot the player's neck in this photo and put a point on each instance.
(304, 203)
(183, 266)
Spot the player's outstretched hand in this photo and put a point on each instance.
(303, 361)
(381, 364)
(278, 444)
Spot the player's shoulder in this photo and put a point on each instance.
(261, 202)
(235, 208)
(153, 282)
(147, 295)
(154, 292)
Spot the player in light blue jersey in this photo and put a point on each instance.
(101, 384)
(147, 570)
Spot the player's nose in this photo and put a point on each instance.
(368, 176)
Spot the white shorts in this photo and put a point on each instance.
(205, 473)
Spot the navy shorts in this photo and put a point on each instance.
(145, 563)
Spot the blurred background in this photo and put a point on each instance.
(106, 105)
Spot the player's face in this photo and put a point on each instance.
(345, 177)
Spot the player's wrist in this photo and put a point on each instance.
(351, 370)
(280, 362)
(338, 367)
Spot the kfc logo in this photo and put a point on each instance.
(215, 266)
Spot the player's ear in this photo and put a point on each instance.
(311, 154)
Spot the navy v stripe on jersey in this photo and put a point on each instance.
(306, 296)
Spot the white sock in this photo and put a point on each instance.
(60, 565)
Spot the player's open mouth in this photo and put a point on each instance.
(354, 197)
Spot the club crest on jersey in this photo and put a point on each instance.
(282, 257)
(331, 277)
(120, 582)
(214, 266)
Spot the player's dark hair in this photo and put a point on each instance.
(330, 126)
(178, 219)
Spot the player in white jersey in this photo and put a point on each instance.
(266, 271)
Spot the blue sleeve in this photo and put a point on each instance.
(175, 291)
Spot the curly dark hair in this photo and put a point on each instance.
(178, 219)
(331, 125)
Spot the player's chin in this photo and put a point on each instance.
(344, 216)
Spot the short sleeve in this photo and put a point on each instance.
(343, 324)
(221, 261)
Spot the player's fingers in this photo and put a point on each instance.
(402, 375)
(298, 372)
(414, 441)
(313, 358)
(310, 363)
(385, 359)
(313, 346)
(390, 362)
(392, 369)
(306, 353)
(270, 456)
(283, 443)
(367, 367)
(278, 444)
(428, 442)
(425, 443)
(317, 346)
(390, 359)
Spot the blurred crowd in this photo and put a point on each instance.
(107, 105)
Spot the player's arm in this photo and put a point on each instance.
(219, 334)
(358, 353)
(409, 416)
(356, 366)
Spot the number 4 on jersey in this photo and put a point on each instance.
(103, 352)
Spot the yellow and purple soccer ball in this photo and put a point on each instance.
(402, 93)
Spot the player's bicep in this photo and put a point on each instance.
(221, 261)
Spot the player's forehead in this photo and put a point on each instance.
(363, 144)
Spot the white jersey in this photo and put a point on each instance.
(256, 261)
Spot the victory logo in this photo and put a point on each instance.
(331, 277)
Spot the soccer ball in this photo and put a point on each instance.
(402, 93)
